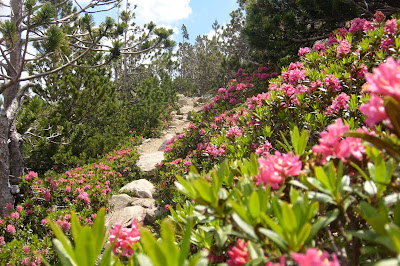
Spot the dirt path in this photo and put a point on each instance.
(152, 150)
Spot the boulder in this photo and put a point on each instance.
(125, 216)
(120, 201)
(151, 215)
(184, 110)
(140, 188)
(143, 202)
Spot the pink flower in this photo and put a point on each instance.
(10, 229)
(387, 43)
(47, 195)
(368, 26)
(14, 215)
(19, 208)
(234, 131)
(9, 206)
(31, 175)
(26, 249)
(124, 238)
(357, 25)
(385, 79)
(314, 257)
(362, 70)
(238, 254)
(391, 26)
(332, 82)
(43, 221)
(68, 189)
(340, 102)
(304, 51)
(2, 242)
(264, 148)
(25, 261)
(374, 111)
(275, 168)
(343, 48)
(379, 16)
(319, 47)
(332, 144)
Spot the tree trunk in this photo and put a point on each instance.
(5, 194)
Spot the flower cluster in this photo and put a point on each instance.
(275, 168)
(239, 254)
(124, 238)
(331, 143)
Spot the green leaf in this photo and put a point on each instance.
(84, 248)
(289, 219)
(322, 222)
(66, 244)
(169, 247)
(98, 231)
(63, 254)
(280, 241)
(254, 205)
(245, 227)
(185, 243)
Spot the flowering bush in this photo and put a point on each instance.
(83, 190)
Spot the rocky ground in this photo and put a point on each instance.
(136, 199)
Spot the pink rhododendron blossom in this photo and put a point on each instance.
(332, 144)
(362, 70)
(340, 102)
(2, 242)
(319, 47)
(315, 257)
(264, 148)
(304, 51)
(387, 43)
(391, 26)
(19, 208)
(343, 48)
(234, 131)
(374, 111)
(9, 206)
(26, 249)
(239, 254)
(124, 238)
(357, 25)
(385, 79)
(379, 17)
(10, 229)
(368, 26)
(275, 168)
(31, 175)
(14, 215)
(332, 82)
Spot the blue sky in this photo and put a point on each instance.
(197, 15)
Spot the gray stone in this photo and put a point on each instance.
(151, 215)
(125, 216)
(143, 202)
(147, 161)
(184, 110)
(140, 188)
(120, 201)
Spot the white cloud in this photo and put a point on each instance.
(161, 11)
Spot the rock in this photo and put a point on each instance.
(151, 214)
(125, 216)
(166, 137)
(184, 110)
(182, 100)
(120, 201)
(140, 188)
(143, 202)
(189, 116)
(148, 161)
